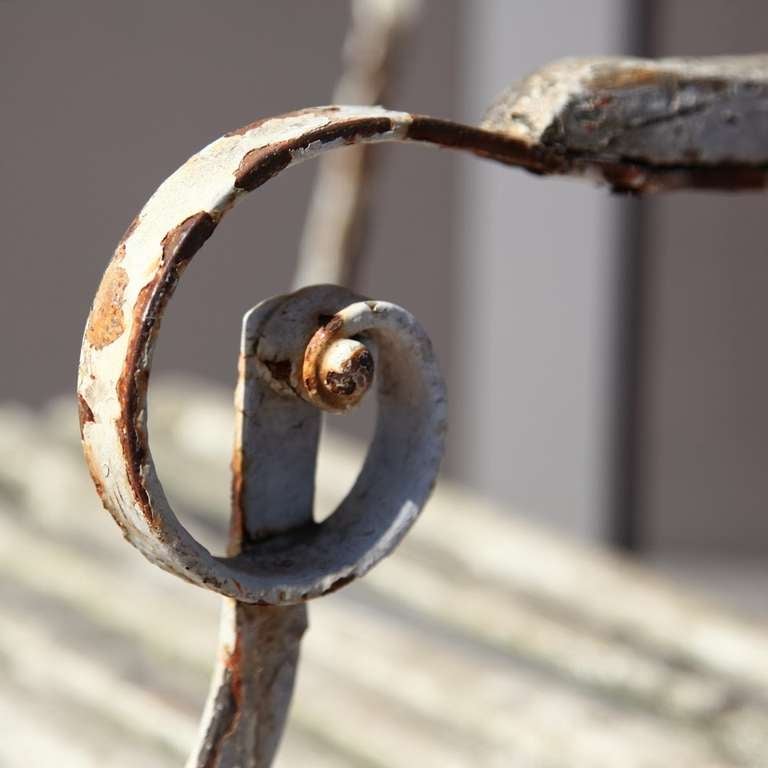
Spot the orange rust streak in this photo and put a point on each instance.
(616, 79)
(237, 520)
(84, 412)
(317, 343)
(232, 662)
(179, 245)
(107, 322)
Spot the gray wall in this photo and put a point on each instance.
(705, 440)
(537, 287)
(101, 101)
(105, 99)
(514, 277)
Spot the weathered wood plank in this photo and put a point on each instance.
(406, 674)
(483, 642)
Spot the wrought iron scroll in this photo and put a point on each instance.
(302, 354)
(638, 125)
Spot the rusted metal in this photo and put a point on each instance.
(186, 209)
(315, 349)
(273, 491)
(300, 354)
(106, 321)
(645, 125)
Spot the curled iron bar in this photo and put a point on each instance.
(312, 351)
(638, 125)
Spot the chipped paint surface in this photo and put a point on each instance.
(107, 322)
(643, 125)
(251, 689)
(526, 111)
(114, 377)
(117, 347)
(187, 207)
(273, 532)
(403, 458)
(318, 349)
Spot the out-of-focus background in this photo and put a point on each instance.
(603, 355)
(605, 371)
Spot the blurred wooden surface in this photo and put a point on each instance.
(482, 642)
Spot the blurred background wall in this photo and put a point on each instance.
(702, 484)
(603, 354)
(538, 268)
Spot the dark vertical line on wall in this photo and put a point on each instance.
(625, 527)
(625, 524)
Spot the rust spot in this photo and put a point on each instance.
(84, 411)
(237, 530)
(611, 78)
(638, 179)
(179, 246)
(332, 326)
(339, 583)
(626, 178)
(260, 165)
(106, 322)
(232, 663)
(280, 370)
(357, 373)
(186, 239)
(484, 143)
(228, 714)
(350, 131)
(315, 347)
(729, 177)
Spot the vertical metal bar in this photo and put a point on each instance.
(625, 525)
(334, 232)
(625, 513)
(273, 469)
